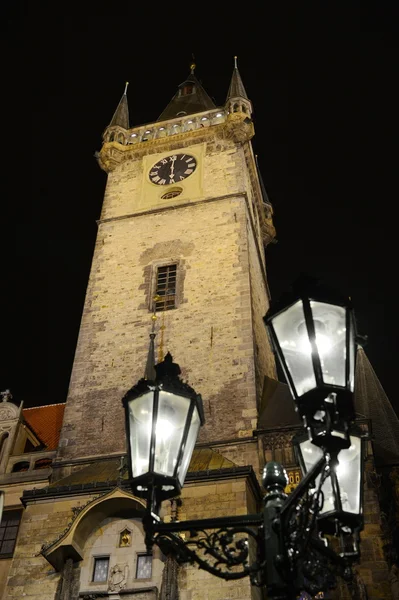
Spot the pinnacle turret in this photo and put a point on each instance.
(236, 89)
(121, 115)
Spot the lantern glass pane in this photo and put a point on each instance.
(140, 420)
(330, 328)
(352, 354)
(189, 447)
(348, 474)
(172, 416)
(290, 329)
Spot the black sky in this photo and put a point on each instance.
(323, 86)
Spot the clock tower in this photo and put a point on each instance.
(181, 237)
(185, 221)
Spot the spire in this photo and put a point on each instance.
(236, 89)
(150, 373)
(121, 115)
(372, 403)
(190, 98)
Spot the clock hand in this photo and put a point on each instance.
(172, 174)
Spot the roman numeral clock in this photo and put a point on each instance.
(175, 176)
(173, 169)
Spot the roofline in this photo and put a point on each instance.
(90, 488)
(44, 406)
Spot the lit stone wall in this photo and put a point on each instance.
(12, 495)
(209, 334)
(30, 574)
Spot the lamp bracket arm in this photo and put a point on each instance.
(219, 546)
(255, 520)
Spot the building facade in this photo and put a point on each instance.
(181, 237)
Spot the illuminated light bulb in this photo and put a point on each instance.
(219, 115)
(164, 429)
(161, 128)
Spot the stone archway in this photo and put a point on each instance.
(116, 503)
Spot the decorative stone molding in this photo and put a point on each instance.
(71, 541)
(239, 128)
(277, 439)
(8, 411)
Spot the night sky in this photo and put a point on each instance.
(323, 88)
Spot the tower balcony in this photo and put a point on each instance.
(162, 129)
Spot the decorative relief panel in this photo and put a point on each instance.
(8, 412)
(118, 578)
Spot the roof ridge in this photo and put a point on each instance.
(45, 405)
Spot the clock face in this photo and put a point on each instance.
(173, 169)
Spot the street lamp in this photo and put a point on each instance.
(342, 487)
(163, 417)
(314, 339)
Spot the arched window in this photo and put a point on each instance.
(3, 443)
(111, 137)
(43, 463)
(19, 467)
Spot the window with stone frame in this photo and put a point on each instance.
(100, 570)
(9, 531)
(144, 566)
(165, 287)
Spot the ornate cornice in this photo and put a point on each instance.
(237, 128)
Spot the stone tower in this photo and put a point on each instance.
(184, 217)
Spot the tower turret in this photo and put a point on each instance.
(237, 99)
(120, 120)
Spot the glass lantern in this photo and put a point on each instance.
(314, 340)
(342, 491)
(163, 418)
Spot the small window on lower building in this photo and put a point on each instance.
(8, 532)
(144, 566)
(100, 571)
(19, 467)
(165, 289)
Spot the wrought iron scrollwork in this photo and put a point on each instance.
(308, 557)
(225, 552)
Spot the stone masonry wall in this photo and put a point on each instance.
(31, 576)
(264, 358)
(209, 334)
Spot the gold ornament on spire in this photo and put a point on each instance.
(192, 67)
(235, 62)
(126, 86)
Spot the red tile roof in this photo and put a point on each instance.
(46, 422)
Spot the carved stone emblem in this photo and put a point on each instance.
(6, 413)
(118, 578)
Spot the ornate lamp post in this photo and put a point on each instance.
(314, 339)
